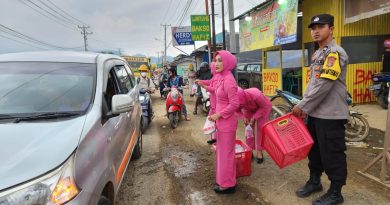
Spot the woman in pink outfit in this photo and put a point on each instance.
(226, 121)
(209, 86)
(255, 108)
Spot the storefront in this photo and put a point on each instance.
(359, 28)
(362, 39)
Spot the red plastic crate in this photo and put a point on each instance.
(286, 139)
(243, 160)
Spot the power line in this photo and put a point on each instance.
(169, 6)
(22, 36)
(61, 15)
(59, 22)
(66, 13)
(50, 13)
(21, 42)
(172, 17)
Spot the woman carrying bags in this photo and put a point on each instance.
(226, 122)
(254, 108)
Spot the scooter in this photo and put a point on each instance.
(381, 88)
(356, 129)
(174, 106)
(205, 100)
(147, 111)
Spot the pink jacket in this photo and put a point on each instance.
(226, 94)
(253, 104)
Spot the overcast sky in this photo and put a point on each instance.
(130, 25)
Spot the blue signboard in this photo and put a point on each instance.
(181, 36)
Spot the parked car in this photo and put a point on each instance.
(69, 124)
(249, 75)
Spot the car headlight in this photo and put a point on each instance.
(57, 187)
(141, 98)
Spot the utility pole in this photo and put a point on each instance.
(158, 57)
(120, 51)
(231, 28)
(165, 42)
(85, 34)
(208, 42)
(213, 21)
(223, 25)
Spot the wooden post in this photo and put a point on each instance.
(384, 156)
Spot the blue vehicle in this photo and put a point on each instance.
(381, 88)
(356, 129)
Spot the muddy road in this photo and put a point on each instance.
(177, 167)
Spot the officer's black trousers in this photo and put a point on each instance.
(328, 151)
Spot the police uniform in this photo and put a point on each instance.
(325, 103)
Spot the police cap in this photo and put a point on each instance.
(322, 19)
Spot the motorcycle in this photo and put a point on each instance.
(381, 88)
(165, 89)
(356, 129)
(174, 106)
(147, 111)
(205, 100)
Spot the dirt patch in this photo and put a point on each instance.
(177, 167)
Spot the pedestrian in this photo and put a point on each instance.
(324, 102)
(191, 78)
(177, 81)
(386, 57)
(226, 122)
(204, 73)
(163, 80)
(255, 108)
(210, 85)
(143, 81)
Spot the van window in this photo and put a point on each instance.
(39, 87)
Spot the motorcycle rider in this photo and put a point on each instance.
(177, 81)
(204, 73)
(143, 81)
(386, 57)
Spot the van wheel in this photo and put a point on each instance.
(104, 201)
(138, 147)
(243, 84)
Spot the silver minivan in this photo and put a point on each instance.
(69, 124)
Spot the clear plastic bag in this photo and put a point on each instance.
(249, 137)
(194, 89)
(209, 127)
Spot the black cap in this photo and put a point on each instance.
(322, 19)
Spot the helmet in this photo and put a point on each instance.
(143, 68)
(387, 43)
(191, 67)
(204, 65)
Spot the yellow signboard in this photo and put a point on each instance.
(272, 80)
(135, 59)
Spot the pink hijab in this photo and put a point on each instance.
(229, 61)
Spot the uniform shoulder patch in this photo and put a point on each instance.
(331, 69)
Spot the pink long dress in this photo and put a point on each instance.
(253, 104)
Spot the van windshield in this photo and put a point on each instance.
(40, 87)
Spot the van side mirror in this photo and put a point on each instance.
(121, 103)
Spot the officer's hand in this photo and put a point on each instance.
(298, 112)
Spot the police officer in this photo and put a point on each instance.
(324, 103)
